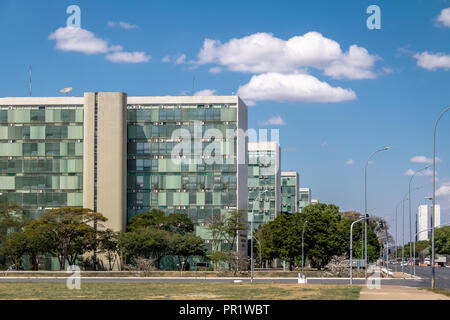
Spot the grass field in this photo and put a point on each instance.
(178, 291)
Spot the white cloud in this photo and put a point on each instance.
(433, 61)
(324, 144)
(121, 24)
(427, 172)
(180, 59)
(423, 159)
(274, 121)
(262, 53)
(206, 92)
(115, 48)
(215, 70)
(350, 162)
(79, 40)
(84, 41)
(443, 191)
(177, 58)
(128, 57)
(295, 87)
(444, 17)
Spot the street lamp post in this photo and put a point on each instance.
(434, 198)
(365, 203)
(251, 233)
(410, 224)
(303, 246)
(260, 251)
(351, 249)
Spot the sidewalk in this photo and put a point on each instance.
(399, 293)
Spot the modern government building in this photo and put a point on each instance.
(121, 156)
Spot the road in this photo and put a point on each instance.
(442, 279)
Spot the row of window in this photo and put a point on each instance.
(182, 114)
(149, 131)
(27, 115)
(41, 166)
(181, 199)
(168, 165)
(41, 132)
(54, 182)
(44, 199)
(41, 149)
(182, 182)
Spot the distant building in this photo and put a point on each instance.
(424, 221)
(437, 216)
(422, 227)
(304, 198)
(315, 201)
(289, 191)
(263, 175)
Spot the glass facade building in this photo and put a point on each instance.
(41, 155)
(304, 197)
(263, 182)
(115, 154)
(289, 191)
(192, 184)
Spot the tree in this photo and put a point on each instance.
(442, 240)
(68, 232)
(184, 246)
(152, 219)
(145, 243)
(174, 222)
(108, 244)
(178, 223)
(216, 228)
(15, 248)
(12, 219)
(373, 244)
(282, 238)
(235, 222)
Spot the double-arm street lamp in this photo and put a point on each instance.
(251, 232)
(434, 197)
(365, 203)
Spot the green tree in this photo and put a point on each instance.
(323, 239)
(15, 248)
(184, 246)
(442, 240)
(152, 219)
(108, 244)
(145, 243)
(68, 231)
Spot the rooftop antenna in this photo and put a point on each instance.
(66, 90)
(30, 88)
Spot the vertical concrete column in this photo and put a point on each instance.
(105, 156)
(242, 170)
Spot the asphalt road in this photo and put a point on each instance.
(397, 282)
(442, 279)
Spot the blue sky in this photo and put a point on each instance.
(392, 87)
